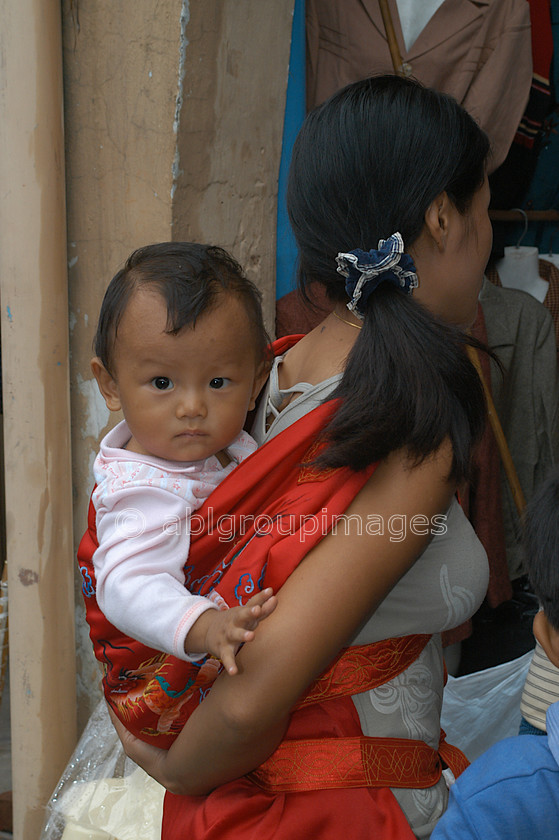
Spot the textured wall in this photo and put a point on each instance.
(229, 139)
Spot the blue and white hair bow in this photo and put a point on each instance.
(365, 270)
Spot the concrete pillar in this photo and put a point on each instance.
(121, 95)
(230, 131)
(34, 327)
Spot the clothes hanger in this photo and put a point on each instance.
(519, 268)
(525, 217)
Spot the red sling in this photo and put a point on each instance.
(238, 553)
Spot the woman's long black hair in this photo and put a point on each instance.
(366, 164)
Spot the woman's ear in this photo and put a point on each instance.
(437, 220)
(547, 636)
(106, 383)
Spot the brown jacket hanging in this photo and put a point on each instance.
(479, 51)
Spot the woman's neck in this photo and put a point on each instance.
(322, 353)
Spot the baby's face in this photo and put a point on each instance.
(185, 397)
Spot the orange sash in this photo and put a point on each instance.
(346, 762)
(326, 763)
(364, 667)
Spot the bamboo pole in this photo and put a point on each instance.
(400, 66)
(520, 215)
(502, 445)
(34, 328)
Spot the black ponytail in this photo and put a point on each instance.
(366, 164)
(407, 383)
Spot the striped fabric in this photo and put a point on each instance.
(539, 101)
(541, 689)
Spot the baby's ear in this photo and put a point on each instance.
(107, 385)
(259, 379)
(547, 636)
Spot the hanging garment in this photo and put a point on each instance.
(521, 332)
(478, 51)
(543, 190)
(549, 272)
(286, 249)
(510, 182)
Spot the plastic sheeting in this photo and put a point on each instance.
(102, 795)
(482, 708)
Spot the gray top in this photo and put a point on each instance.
(444, 587)
(271, 419)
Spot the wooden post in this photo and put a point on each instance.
(34, 327)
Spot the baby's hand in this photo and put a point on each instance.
(226, 630)
(230, 628)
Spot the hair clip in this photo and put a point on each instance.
(366, 270)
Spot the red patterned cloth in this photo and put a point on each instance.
(237, 554)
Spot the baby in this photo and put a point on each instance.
(181, 350)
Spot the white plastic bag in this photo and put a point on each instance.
(482, 708)
(102, 795)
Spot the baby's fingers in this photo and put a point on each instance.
(268, 607)
(263, 606)
(228, 662)
(261, 601)
(260, 597)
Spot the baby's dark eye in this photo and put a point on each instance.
(162, 383)
(217, 382)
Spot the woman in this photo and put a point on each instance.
(383, 161)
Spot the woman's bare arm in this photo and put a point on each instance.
(320, 607)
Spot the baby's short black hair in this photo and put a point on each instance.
(190, 278)
(541, 546)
